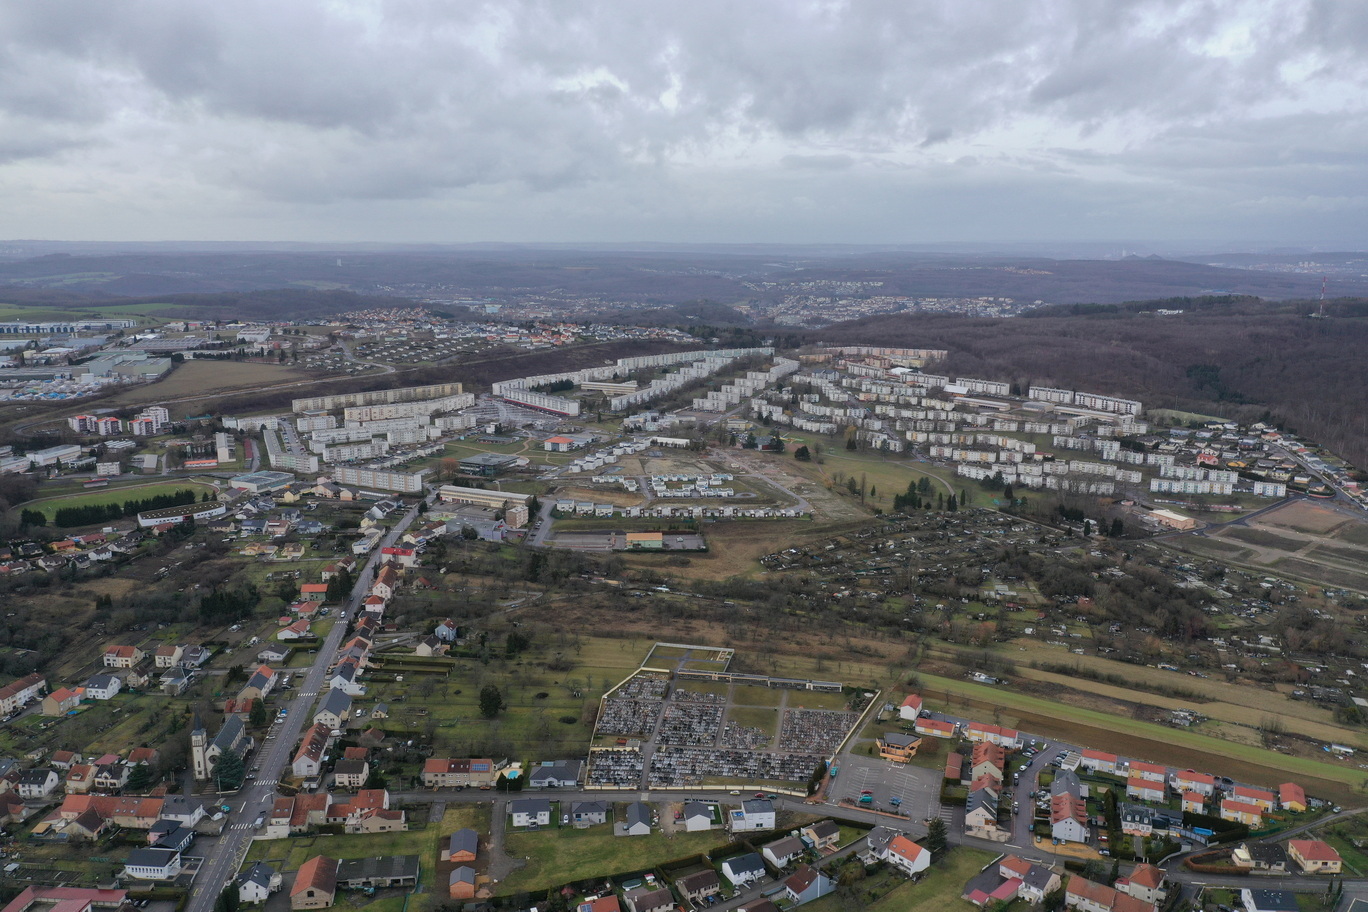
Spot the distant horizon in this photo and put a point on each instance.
(1064, 249)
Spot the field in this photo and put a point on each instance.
(205, 379)
(888, 891)
(560, 854)
(1310, 541)
(114, 495)
(1132, 738)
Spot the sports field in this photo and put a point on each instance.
(115, 495)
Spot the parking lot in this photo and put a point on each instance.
(916, 788)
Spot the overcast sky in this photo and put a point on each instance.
(889, 121)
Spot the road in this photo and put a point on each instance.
(222, 859)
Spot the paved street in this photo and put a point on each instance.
(223, 857)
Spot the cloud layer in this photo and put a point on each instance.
(708, 121)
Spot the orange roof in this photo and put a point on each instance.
(1140, 766)
(1090, 754)
(1147, 875)
(1244, 791)
(1290, 793)
(1190, 776)
(906, 848)
(1314, 850)
(1241, 807)
(913, 700)
(318, 873)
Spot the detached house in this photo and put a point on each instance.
(122, 656)
(1314, 856)
(60, 702)
(910, 709)
(528, 811)
(908, 857)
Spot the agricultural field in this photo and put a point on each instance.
(1302, 539)
(204, 379)
(1133, 738)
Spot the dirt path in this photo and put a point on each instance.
(501, 864)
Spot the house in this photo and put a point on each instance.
(315, 886)
(1136, 820)
(153, 864)
(62, 759)
(344, 679)
(1094, 897)
(461, 846)
(1268, 900)
(637, 819)
(697, 816)
(806, 884)
(824, 834)
(60, 702)
(1142, 789)
(588, 813)
(334, 710)
(461, 883)
(562, 774)
(934, 728)
(907, 856)
(80, 779)
(308, 759)
(275, 654)
(257, 883)
(898, 747)
(1145, 883)
(1194, 803)
(1265, 799)
(1097, 761)
(754, 814)
(102, 687)
(260, 684)
(782, 851)
(194, 656)
(430, 646)
(745, 869)
(1314, 856)
(994, 734)
(1291, 797)
(350, 774)
(647, 899)
(1151, 771)
(980, 812)
(19, 693)
(987, 760)
(1035, 880)
(168, 655)
(122, 656)
(183, 810)
(37, 783)
(699, 886)
(295, 630)
(110, 777)
(447, 631)
(168, 834)
(1068, 818)
(911, 708)
(177, 681)
(528, 811)
(450, 773)
(1189, 781)
(1241, 812)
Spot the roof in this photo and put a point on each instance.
(757, 806)
(151, 858)
(906, 848)
(912, 700)
(801, 879)
(746, 863)
(1290, 792)
(1241, 807)
(337, 702)
(466, 840)
(318, 873)
(1274, 900)
(787, 846)
(529, 806)
(1245, 791)
(1314, 850)
(638, 812)
(463, 874)
(700, 880)
(1147, 875)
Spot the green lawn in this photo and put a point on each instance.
(767, 720)
(752, 695)
(940, 889)
(555, 856)
(112, 495)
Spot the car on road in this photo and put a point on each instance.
(259, 821)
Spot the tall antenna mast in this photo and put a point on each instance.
(1322, 298)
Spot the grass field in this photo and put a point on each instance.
(555, 856)
(767, 720)
(889, 891)
(1144, 740)
(114, 495)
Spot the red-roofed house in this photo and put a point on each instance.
(907, 856)
(1189, 781)
(1142, 789)
(315, 886)
(1009, 738)
(1262, 797)
(911, 708)
(1194, 803)
(122, 656)
(1151, 771)
(934, 728)
(404, 557)
(60, 702)
(1241, 812)
(1314, 856)
(1145, 883)
(1291, 797)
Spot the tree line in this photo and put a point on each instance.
(89, 515)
